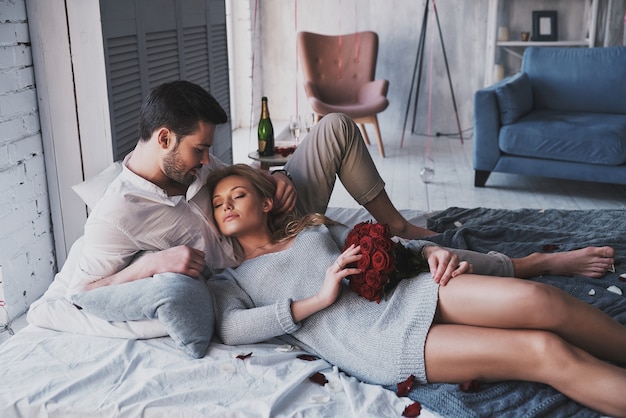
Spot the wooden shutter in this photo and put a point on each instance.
(149, 42)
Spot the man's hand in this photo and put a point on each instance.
(182, 259)
(285, 199)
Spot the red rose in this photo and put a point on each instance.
(352, 239)
(362, 228)
(357, 279)
(369, 293)
(364, 263)
(373, 278)
(382, 261)
(366, 244)
(379, 230)
(384, 243)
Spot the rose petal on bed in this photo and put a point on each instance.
(470, 386)
(228, 368)
(592, 292)
(334, 387)
(244, 356)
(318, 378)
(614, 289)
(622, 277)
(550, 247)
(458, 224)
(413, 410)
(308, 357)
(285, 348)
(320, 398)
(405, 387)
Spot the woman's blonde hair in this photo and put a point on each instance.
(281, 228)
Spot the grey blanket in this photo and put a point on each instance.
(519, 233)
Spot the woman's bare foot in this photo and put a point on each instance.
(591, 262)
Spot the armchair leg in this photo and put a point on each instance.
(366, 138)
(480, 178)
(381, 148)
(373, 120)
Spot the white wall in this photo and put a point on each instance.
(26, 244)
(398, 24)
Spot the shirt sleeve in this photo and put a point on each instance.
(106, 251)
(239, 321)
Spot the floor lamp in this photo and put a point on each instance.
(419, 61)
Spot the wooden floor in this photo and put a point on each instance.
(453, 181)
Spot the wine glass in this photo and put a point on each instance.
(309, 121)
(294, 127)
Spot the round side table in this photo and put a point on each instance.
(275, 160)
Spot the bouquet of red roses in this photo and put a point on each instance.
(384, 262)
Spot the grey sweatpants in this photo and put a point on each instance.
(334, 148)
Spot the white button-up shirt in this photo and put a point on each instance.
(135, 216)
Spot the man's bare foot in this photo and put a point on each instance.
(590, 262)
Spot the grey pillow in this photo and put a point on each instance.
(515, 98)
(183, 304)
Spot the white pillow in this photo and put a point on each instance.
(91, 190)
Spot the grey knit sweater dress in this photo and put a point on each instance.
(380, 343)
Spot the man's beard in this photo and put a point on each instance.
(175, 171)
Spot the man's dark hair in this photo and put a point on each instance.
(178, 106)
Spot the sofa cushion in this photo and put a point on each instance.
(577, 79)
(515, 98)
(567, 136)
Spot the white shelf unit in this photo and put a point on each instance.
(516, 48)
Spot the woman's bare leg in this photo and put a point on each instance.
(459, 353)
(514, 303)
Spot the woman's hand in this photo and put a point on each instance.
(329, 292)
(445, 265)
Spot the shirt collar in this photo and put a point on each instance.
(156, 192)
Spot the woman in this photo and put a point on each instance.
(476, 327)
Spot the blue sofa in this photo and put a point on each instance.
(562, 116)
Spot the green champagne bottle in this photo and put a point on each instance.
(265, 131)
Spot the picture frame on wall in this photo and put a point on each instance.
(544, 25)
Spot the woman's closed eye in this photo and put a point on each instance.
(219, 203)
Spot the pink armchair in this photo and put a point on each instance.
(339, 74)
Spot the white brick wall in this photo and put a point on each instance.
(26, 242)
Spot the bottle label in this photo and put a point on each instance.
(262, 145)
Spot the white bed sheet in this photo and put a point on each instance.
(50, 373)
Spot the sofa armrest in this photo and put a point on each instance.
(486, 128)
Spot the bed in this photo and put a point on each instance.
(49, 371)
